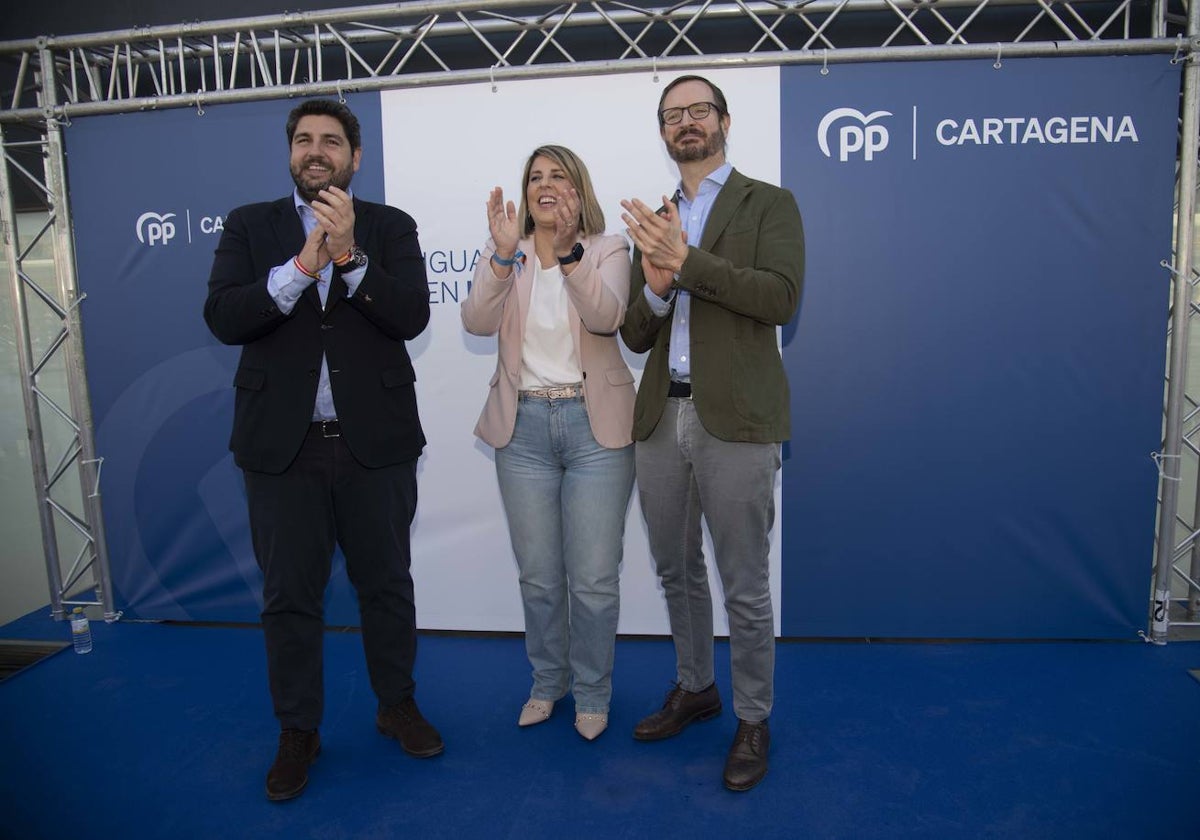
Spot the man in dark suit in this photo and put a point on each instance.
(321, 290)
(716, 270)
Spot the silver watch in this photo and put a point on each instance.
(358, 259)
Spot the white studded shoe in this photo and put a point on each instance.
(535, 711)
(590, 725)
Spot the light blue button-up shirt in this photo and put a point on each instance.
(286, 283)
(693, 215)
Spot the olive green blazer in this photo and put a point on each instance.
(745, 280)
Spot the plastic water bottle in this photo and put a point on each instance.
(81, 631)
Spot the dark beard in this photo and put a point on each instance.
(310, 192)
(712, 144)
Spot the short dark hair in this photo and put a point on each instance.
(326, 108)
(718, 97)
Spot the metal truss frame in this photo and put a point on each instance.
(46, 81)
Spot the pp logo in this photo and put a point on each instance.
(853, 137)
(155, 229)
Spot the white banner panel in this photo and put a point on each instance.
(444, 150)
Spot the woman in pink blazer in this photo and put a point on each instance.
(559, 414)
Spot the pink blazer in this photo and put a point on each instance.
(597, 291)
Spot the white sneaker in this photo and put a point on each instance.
(590, 725)
(535, 711)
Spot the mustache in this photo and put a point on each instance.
(690, 131)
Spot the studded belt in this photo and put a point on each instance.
(555, 392)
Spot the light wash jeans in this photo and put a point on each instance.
(566, 498)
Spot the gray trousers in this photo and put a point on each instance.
(684, 473)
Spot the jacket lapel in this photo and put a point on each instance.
(724, 208)
(288, 229)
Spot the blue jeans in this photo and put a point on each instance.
(566, 498)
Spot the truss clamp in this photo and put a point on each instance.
(1169, 265)
(1158, 458)
(99, 462)
(1185, 51)
(52, 116)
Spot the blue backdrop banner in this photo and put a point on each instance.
(977, 372)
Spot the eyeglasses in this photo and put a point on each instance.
(697, 111)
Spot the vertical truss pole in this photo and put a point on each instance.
(1188, 147)
(33, 421)
(1186, 227)
(64, 263)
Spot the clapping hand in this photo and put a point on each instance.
(334, 209)
(314, 256)
(566, 218)
(502, 224)
(658, 279)
(659, 236)
(661, 239)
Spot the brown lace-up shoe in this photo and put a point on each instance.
(680, 709)
(405, 723)
(747, 761)
(289, 774)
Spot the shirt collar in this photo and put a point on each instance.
(712, 182)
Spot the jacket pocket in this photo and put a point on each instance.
(395, 377)
(250, 379)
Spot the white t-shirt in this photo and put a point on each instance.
(548, 354)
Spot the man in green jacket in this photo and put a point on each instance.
(716, 270)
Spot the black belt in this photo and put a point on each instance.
(326, 428)
(680, 389)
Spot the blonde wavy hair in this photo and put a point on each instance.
(591, 217)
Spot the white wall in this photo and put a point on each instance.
(444, 150)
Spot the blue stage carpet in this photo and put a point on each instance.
(165, 731)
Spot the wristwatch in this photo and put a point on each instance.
(575, 256)
(356, 258)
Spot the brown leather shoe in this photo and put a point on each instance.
(680, 709)
(405, 723)
(289, 774)
(747, 761)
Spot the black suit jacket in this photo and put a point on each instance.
(362, 337)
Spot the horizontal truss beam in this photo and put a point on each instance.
(381, 47)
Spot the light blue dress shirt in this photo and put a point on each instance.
(286, 283)
(693, 215)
